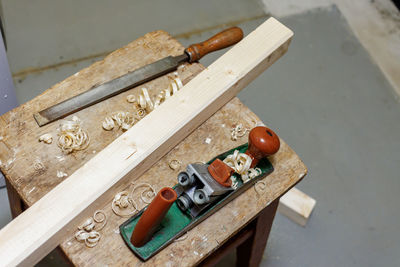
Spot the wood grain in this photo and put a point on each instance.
(297, 206)
(140, 147)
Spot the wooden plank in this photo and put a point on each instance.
(297, 206)
(39, 229)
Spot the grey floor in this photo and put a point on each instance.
(326, 98)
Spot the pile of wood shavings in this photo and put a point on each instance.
(88, 232)
(122, 119)
(143, 102)
(71, 136)
(143, 105)
(241, 163)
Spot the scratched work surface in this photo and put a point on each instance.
(31, 167)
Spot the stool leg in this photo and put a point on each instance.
(16, 205)
(251, 251)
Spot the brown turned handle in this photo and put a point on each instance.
(263, 142)
(219, 41)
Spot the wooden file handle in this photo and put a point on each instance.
(219, 41)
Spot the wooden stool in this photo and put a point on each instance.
(244, 223)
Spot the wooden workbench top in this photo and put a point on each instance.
(31, 167)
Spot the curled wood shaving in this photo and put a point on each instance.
(131, 98)
(72, 137)
(235, 182)
(122, 119)
(238, 131)
(101, 219)
(120, 205)
(145, 100)
(175, 164)
(140, 112)
(175, 86)
(144, 103)
(149, 192)
(46, 138)
(88, 225)
(123, 203)
(88, 232)
(241, 162)
(125, 120)
(108, 124)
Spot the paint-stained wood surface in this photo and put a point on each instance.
(34, 166)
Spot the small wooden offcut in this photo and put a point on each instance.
(32, 171)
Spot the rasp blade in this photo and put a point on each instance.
(109, 89)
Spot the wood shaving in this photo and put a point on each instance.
(121, 205)
(61, 174)
(235, 182)
(238, 131)
(174, 86)
(149, 191)
(124, 205)
(108, 124)
(143, 102)
(123, 119)
(46, 138)
(131, 98)
(75, 118)
(140, 113)
(88, 225)
(88, 231)
(175, 164)
(72, 137)
(102, 219)
(253, 173)
(241, 163)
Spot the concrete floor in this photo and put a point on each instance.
(330, 102)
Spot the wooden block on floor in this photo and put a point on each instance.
(297, 206)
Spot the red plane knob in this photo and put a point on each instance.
(263, 142)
